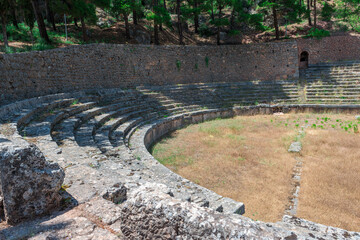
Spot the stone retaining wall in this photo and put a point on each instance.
(94, 66)
(26, 75)
(330, 49)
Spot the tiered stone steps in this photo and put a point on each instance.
(105, 124)
(228, 94)
(95, 136)
(333, 83)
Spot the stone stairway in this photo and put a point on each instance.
(333, 83)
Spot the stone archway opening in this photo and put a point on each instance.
(304, 60)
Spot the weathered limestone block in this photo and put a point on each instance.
(29, 184)
(149, 213)
(295, 147)
(116, 193)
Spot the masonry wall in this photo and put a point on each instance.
(32, 74)
(330, 49)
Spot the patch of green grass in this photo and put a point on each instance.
(173, 159)
(266, 162)
(207, 61)
(212, 130)
(178, 65)
(235, 137)
(76, 101)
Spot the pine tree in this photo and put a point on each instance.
(288, 9)
(40, 20)
(123, 8)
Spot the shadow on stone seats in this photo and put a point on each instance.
(2, 140)
(223, 95)
(34, 228)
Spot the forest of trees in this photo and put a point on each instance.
(261, 15)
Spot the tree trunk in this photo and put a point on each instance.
(14, 20)
(309, 11)
(32, 35)
(135, 21)
(345, 10)
(50, 14)
(83, 27)
(160, 26)
(178, 10)
(315, 14)
(75, 22)
(276, 25)
(40, 21)
(232, 19)
(212, 10)
(218, 28)
(156, 26)
(3, 26)
(156, 34)
(196, 17)
(127, 28)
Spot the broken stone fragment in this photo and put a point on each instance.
(116, 193)
(29, 184)
(295, 147)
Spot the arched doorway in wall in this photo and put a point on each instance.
(304, 60)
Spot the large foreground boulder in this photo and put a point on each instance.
(29, 184)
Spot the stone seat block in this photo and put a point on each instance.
(29, 184)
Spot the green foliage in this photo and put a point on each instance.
(327, 11)
(119, 7)
(196, 66)
(21, 34)
(40, 46)
(233, 16)
(354, 22)
(218, 22)
(205, 31)
(159, 15)
(318, 33)
(207, 61)
(178, 64)
(233, 32)
(256, 20)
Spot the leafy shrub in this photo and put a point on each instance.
(40, 46)
(205, 31)
(342, 27)
(233, 32)
(256, 20)
(318, 33)
(354, 21)
(327, 11)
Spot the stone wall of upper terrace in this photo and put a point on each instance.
(330, 49)
(94, 66)
(25, 75)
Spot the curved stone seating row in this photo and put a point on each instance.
(243, 93)
(101, 138)
(149, 133)
(333, 83)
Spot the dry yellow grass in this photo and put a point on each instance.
(246, 159)
(330, 191)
